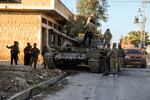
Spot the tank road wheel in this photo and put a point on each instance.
(143, 66)
(59, 63)
(94, 66)
(49, 60)
(50, 63)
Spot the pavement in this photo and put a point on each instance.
(36, 89)
(131, 84)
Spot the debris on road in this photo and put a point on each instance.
(14, 81)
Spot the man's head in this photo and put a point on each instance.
(91, 20)
(16, 43)
(108, 30)
(108, 45)
(28, 44)
(34, 44)
(119, 46)
(114, 45)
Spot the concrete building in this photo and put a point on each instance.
(34, 21)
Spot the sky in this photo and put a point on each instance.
(121, 17)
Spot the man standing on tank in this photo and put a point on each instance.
(90, 28)
(107, 37)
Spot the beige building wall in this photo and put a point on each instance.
(19, 26)
(23, 22)
(28, 4)
(42, 5)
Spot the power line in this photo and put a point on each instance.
(126, 1)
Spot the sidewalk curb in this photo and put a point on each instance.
(136, 69)
(20, 68)
(28, 93)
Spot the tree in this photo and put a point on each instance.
(125, 40)
(87, 7)
(75, 26)
(134, 37)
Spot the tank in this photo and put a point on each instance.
(71, 56)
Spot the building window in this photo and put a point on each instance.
(50, 23)
(10, 1)
(44, 36)
(60, 28)
(59, 40)
(50, 32)
(55, 26)
(44, 21)
(53, 38)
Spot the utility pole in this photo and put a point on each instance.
(144, 20)
(141, 20)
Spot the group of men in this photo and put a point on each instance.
(114, 59)
(30, 54)
(90, 30)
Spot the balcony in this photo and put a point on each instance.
(55, 8)
(59, 12)
(62, 9)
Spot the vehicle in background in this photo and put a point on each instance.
(134, 57)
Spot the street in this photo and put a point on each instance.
(131, 84)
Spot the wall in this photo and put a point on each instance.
(34, 4)
(20, 26)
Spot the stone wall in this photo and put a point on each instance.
(20, 26)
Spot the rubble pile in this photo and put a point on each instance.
(12, 82)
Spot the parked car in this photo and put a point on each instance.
(134, 57)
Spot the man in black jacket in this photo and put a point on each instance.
(27, 54)
(14, 52)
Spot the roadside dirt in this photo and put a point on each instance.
(12, 82)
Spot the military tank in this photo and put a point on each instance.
(71, 56)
